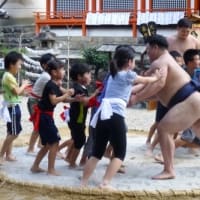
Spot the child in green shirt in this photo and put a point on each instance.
(11, 92)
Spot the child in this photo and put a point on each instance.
(36, 95)
(44, 122)
(13, 61)
(81, 77)
(109, 118)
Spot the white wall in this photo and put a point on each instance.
(24, 8)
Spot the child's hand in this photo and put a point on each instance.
(71, 92)
(97, 91)
(80, 97)
(26, 83)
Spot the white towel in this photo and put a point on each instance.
(4, 113)
(106, 109)
(116, 18)
(163, 18)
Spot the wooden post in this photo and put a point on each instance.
(134, 29)
(48, 8)
(188, 11)
(94, 6)
(150, 5)
(37, 26)
(100, 6)
(83, 29)
(54, 8)
(196, 6)
(143, 6)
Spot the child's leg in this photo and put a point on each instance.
(112, 169)
(79, 141)
(151, 132)
(74, 155)
(39, 145)
(53, 149)
(118, 141)
(42, 152)
(88, 170)
(65, 144)
(69, 152)
(7, 147)
(87, 152)
(151, 147)
(32, 141)
(109, 151)
(83, 160)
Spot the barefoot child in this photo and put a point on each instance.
(36, 95)
(13, 61)
(48, 132)
(109, 118)
(81, 77)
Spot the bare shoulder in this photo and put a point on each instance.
(171, 38)
(161, 61)
(195, 41)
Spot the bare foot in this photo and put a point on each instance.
(121, 170)
(73, 166)
(164, 175)
(105, 186)
(149, 151)
(59, 155)
(37, 170)
(159, 158)
(11, 158)
(84, 183)
(67, 160)
(193, 151)
(53, 173)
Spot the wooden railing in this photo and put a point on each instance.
(60, 19)
(78, 18)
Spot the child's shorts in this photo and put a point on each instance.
(14, 127)
(47, 130)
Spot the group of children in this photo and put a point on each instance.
(108, 104)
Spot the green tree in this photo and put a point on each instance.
(98, 59)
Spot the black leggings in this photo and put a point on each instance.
(113, 130)
(78, 134)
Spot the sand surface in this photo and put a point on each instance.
(139, 168)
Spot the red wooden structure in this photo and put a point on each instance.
(74, 12)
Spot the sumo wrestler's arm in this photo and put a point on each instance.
(151, 89)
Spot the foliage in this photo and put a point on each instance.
(5, 50)
(96, 58)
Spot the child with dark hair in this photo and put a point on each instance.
(81, 77)
(13, 62)
(108, 121)
(43, 118)
(36, 95)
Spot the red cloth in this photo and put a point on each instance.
(35, 117)
(99, 85)
(63, 115)
(93, 102)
